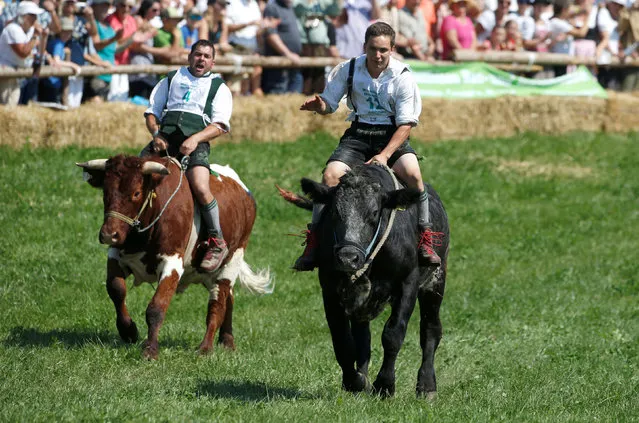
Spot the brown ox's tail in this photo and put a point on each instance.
(291, 197)
(260, 282)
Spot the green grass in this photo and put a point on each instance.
(541, 315)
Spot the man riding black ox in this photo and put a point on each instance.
(385, 105)
(198, 109)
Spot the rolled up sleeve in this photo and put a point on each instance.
(408, 101)
(158, 99)
(335, 88)
(222, 107)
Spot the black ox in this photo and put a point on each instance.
(354, 223)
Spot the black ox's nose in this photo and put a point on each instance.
(349, 258)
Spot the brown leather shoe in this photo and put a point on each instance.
(215, 251)
(307, 261)
(426, 253)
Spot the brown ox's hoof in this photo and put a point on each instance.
(204, 349)
(128, 331)
(227, 341)
(149, 351)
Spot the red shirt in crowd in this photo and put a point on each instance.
(130, 27)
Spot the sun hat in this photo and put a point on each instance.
(29, 8)
(620, 2)
(171, 13)
(194, 14)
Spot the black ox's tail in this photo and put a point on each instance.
(291, 197)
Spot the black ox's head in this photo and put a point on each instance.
(125, 182)
(355, 208)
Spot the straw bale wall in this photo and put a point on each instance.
(278, 119)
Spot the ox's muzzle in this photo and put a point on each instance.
(113, 232)
(349, 257)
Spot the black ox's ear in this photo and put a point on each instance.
(319, 193)
(400, 198)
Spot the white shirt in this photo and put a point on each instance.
(13, 34)
(240, 12)
(487, 21)
(189, 94)
(393, 93)
(526, 27)
(608, 24)
(557, 27)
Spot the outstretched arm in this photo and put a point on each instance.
(315, 104)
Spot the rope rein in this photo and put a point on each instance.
(382, 240)
(135, 222)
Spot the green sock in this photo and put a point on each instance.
(211, 217)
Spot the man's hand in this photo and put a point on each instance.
(315, 104)
(159, 143)
(48, 6)
(37, 30)
(188, 146)
(88, 13)
(294, 57)
(118, 34)
(380, 158)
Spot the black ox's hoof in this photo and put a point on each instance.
(359, 383)
(384, 390)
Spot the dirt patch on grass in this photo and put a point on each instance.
(536, 169)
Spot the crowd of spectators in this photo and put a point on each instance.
(70, 33)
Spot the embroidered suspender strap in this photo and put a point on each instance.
(349, 86)
(169, 77)
(215, 85)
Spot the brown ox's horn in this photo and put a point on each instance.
(97, 164)
(154, 167)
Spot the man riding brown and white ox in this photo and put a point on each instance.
(152, 223)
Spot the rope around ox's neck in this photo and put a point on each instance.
(382, 240)
(135, 222)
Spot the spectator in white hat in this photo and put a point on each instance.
(16, 45)
(608, 47)
(50, 89)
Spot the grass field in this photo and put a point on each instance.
(541, 314)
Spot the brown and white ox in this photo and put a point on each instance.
(152, 227)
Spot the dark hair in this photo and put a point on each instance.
(559, 6)
(145, 6)
(378, 29)
(203, 43)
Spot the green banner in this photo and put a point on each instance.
(480, 80)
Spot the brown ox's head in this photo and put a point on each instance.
(126, 182)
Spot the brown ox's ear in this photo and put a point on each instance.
(400, 198)
(94, 172)
(319, 193)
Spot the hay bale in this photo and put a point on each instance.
(22, 126)
(278, 119)
(507, 116)
(621, 112)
